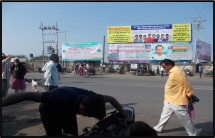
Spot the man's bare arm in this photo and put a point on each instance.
(19, 97)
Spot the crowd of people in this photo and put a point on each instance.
(59, 105)
(151, 38)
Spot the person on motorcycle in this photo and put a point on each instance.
(88, 67)
(58, 107)
(81, 69)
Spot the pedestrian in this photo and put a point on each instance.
(59, 107)
(59, 69)
(162, 71)
(51, 73)
(5, 74)
(18, 72)
(200, 70)
(81, 69)
(139, 128)
(178, 92)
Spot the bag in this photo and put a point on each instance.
(191, 109)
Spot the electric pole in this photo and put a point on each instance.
(44, 41)
(103, 51)
(198, 26)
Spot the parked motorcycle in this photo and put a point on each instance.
(188, 72)
(112, 125)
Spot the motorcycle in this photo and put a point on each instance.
(188, 72)
(112, 125)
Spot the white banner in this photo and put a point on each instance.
(82, 51)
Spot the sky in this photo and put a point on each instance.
(88, 21)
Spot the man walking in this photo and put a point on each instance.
(51, 73)
(200, 70)
(178, 91)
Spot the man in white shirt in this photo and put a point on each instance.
(51, 73)
(159, 50)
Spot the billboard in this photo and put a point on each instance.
(129, 52)
(119, 34)
(150, 52)
(203, 51)
(90, 51)
(149, 33)
(178, 51)
(181, 32)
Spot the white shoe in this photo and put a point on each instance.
(157, 130)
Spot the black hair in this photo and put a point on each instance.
(94, 106)
(54, 57)
(158, 46)
(167, 62)
(140, 128)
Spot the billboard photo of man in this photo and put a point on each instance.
(159, 53)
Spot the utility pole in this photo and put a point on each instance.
(49, 28)
(198, 25)
(103, 51)
(57, 38)
(41, 27)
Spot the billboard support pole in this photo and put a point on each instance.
(103, 51)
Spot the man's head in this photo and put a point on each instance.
(159, 50)
(16, 61)
(162, 36)
(93, 106)
(158, 36)
(153, 36)
(144, 36)
(139, 129)
(167, 64)
(54, 57)
(3, 56)
(140, 36)
(167, 36)
(149, 35)
(136, 36)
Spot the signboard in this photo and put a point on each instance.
(178, 51)
(181, 32)
(119, 34)
(203, 51)
(129, 52)
(150, 52)
(91, 51)
(149, 33)
(133, 67)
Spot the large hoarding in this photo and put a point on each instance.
(119, 34)
(203, 51)
(149, 33)
(150, 52)
(129, 52)
(91, 51)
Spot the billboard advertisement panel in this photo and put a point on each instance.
(119, 34)
(203, 51)
(149, 33)
(129, 52)
(90, 51)
(150, 52)
(178, 51)
(181, 32)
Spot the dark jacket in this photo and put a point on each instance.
(20, 73)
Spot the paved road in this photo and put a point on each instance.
(144, 93)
